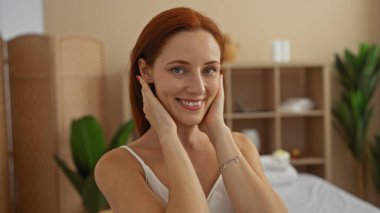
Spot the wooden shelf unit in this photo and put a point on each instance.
(254, 94)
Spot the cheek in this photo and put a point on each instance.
(213, 87)
(166, 88)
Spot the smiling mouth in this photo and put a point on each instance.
(191, 104)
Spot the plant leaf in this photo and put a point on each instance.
(122, 135)
(358, 76)
(87, 144)
(92, 198)
(74, 178)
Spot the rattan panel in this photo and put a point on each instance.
(80, 56)
(53, 80)
(34, 141)
(80, 68)
(34, 146)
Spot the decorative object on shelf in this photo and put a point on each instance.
(297, 105)
(88, 145)
(358, 76)
(230, 49)
(295, 153)
(282, 154)
(281, 50)
(253, 135)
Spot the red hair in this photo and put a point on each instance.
(150, 42)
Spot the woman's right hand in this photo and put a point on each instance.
(155, 112)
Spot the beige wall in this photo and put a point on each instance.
(315, 29)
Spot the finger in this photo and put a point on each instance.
(221, 81)
(220, 94)
(144, 93)
(149, 98)
(142, 82)
(144, 86)
(221, 85)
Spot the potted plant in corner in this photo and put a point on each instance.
(88, 144)
(358, 76)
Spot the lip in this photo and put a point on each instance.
(191, 104)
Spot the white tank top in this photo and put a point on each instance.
(218, 200)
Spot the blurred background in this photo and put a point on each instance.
(314, 31)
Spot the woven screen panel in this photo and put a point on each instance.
(53, 81)
(80, 66)
(4, 187)
(34, 141)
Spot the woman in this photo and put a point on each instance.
(187, 159)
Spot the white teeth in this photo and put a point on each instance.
(191, 103)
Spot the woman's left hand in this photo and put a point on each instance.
(214, 117)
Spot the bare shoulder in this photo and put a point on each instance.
(119, 166)
(121, 179)
(244, 143)
(117, 162)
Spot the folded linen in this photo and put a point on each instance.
(271, 162)
(288, 176)
(277, 170)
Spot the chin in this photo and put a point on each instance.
(193, 121)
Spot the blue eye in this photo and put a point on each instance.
(177, 70)
(210, 70)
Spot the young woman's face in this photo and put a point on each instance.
(186, 75)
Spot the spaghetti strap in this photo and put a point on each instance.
(135, 155)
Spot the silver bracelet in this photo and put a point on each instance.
(225, 164)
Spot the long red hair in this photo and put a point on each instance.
(150, 42)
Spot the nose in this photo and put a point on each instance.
(196, 84)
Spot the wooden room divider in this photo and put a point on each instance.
(52, 81)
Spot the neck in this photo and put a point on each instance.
(190, 136)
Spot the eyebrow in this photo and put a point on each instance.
(187, 63)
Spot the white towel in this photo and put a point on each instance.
(271, 162)
(278, 171)
(282, 177)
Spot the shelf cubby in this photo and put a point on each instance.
(265, 128)
(254, 97)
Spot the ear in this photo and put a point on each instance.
(145, 71)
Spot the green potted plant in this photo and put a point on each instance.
(88, 144)
(358, 77)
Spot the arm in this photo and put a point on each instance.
(245, 182)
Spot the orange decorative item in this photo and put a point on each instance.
(230, 49)
(295, 153)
